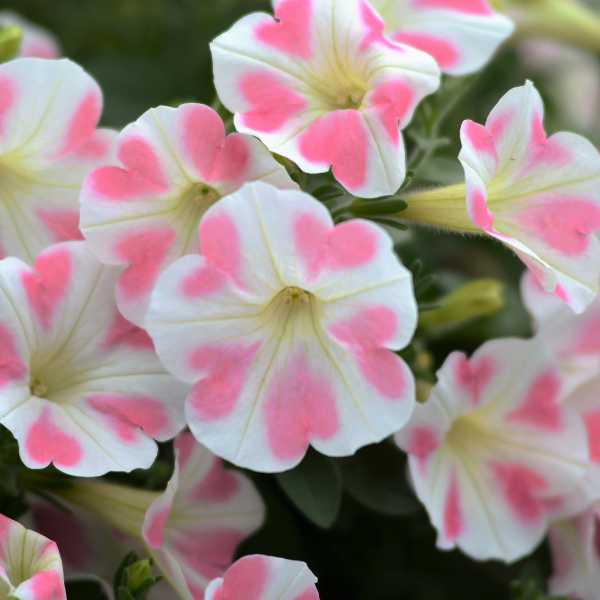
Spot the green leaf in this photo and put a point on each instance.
(389, 223)
(379, 206)
(327, 192)
(8, 480)
(376, 477)
(315, 488)
(423, 284)
(121, 577)
(530, 586)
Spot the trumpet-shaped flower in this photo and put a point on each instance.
(321, 85)
(193, 528)
(30, 565)
(493, 447)
(284, 325)
(176, 164)
(78, 383)
(37, 41)
(264, 578)
(49, 110)
(461, 35)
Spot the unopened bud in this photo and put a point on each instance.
(476, 299)
(10, 42)
(138, 573)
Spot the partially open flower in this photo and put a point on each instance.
(321, 85)
(285, 325)
(177, 164)
(462, 36)
(37, 41)
(264, 578)
(492, 446)
(30, 565)
(49, 110)
(79, 385)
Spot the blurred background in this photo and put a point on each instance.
(360, 530)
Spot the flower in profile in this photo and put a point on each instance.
(461, 36)
(493, 447)
(540, 196)
(30, 565)
(575, 547)
(260, 577)
(320, 85)
(176, 164)
(79, 385)
(285, 326)
(49, 110)
(193, 528)
(37, 41)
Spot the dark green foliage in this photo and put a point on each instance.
(132, 580)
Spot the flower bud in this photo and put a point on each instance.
(138, 573)
(10, 42)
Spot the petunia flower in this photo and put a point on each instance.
(285, 326)
(79, 385)
(493, 447)
(49, 110)
(260, 577)
(462, 35)
(575, 546)
(539, 196)
(30, 565)
(193, 528)
(321, 85)
(176, 164)
(38, 42)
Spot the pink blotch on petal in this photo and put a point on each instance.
(301, 405)
(499, 124)
(185, 442)
(339, 139)
(481, 216)
(154, 534)
(592, 424)
(471, 7)
(38, 50)
(7, 99)
(219, 484)
(122, 332)
(538, 135)
(480, 138)
(474, 376)
(352, 244)
(64, 224)
(422, 441)
(291, 33)
(393, 101)
(540, 407)
(145, 252)
(12, 367)
(46, 443)
(50, 287)
(374, 26)
(95, 147)
(246, 579)
(126, 415)
(209, 553)
(519, 486)
(589, 338)
(225, 370)
(453, 516)
(273, 102)
(311, 235)
(365, 336)
(142, 176)
(47, 585)
(564, 224)
(83, 124)
(561, 293)
(444, 52)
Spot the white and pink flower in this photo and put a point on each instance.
(538, 195)
(176, 164)
(30, 565)
(260, 577)
(285, 326)
(38, 42)
(321, 85)
(79, 385)
(493, 447)
(462, 35)
(49, 110)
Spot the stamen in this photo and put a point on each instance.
(37, 387)
(293, 294)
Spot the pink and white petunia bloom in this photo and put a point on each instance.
(462, 35)
(321, 85)
(538, 195)
(493, 447)
(192, 529)
(37, 41)
(49, 110)
(285, 326)
(575, 547)
(79, 385)
(30, 565)
(260, 577)
(176, 164)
